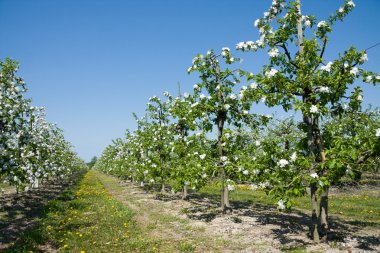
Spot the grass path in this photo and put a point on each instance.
(85, 218)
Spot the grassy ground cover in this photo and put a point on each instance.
(361, 205)
(85, 218)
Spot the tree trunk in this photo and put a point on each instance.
(184, 193)
(324, 198)
(323, 214)
(163, 187)
(314, 217)
(308, 121)
(226, 198)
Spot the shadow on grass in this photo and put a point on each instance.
(19, 213)
(205, 207)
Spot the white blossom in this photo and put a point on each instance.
(230, 187)
(281, 204)
(293, 157)
(377, 132)
(354, 71)
(273, 52)
(254, 187)
(223, 158)
(245, 172)
(308, 23)
(359, 97)
(203, 156)
(253, 85)
(257, 21)
(368, 79)
(363, 58)
(313, 109)
(322, 24)
(282, 163)
(351, 3)
(232, 96)
(225, 49)
(327, 68)
(324, 89)
(314, 175)
(257, 143)
(271, 73)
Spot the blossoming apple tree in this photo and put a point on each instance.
(305, 81)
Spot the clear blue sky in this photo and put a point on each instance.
(92, 63)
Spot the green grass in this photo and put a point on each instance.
(86, 219)
(361, 207)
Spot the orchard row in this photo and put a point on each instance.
(334, 137)
(31, 149)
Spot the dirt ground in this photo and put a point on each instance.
(246, 229)
(196, 225)
(19, 212)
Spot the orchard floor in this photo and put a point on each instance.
(100, 213)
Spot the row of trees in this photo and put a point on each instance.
(31, 149)
(334, 139)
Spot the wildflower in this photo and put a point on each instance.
(313, 109)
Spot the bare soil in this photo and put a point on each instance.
(246, 228)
